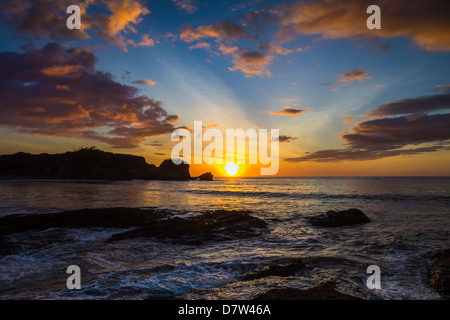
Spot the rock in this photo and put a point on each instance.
(439, 273)
(204, 177)
(88, 164)
(326, 291)
(7, 247)
(283, 267)
(171, 171)
(217, 225)
(339, 218)
(151, 223)
(84, 218)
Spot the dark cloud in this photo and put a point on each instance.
(354, 75)
(221, 30)
(400, 131)
(415, 105)
(337, 155)
(172, 118)
(388, 137)
(425, 23)
(46, 20)
(42, 19)
(58, 91)
(145, 82)
(282, 139)
(289, 112)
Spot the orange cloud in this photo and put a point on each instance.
(146, 82)
(200, 45)
(146, 41)
(357, 74)
(289, 112)
(96, 106)
(228, 50)
(426, 23)
(59, 71)
(349, 121)
(221, 30)
(253, 63)
(125, 14)
(62, 87)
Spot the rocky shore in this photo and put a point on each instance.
(276, 276)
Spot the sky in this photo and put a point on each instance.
(347, 100)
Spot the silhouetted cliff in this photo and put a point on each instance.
(89, 164)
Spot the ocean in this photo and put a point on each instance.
(410, 221)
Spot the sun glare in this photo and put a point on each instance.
(231, 168)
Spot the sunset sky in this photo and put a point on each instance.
(348, 101)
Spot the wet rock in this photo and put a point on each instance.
(217, 225)
(339, 218)
(326, 291)
(84, 218)
(8, 247)
(439, 273)
(151, 223)
(283, 267)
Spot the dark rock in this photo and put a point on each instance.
(204, 177)
(171, 171)
(326, 291)
(283, 267)
(213, 225)
(84, 218)
(88, 164)
(7, 247)
(339, 218)
(439, 273)
(217, 225)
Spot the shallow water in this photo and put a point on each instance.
(410, 220)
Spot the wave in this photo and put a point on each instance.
(297, 196)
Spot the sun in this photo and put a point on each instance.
(231, 168)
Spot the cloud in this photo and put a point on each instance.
(145, 82)
(286, 139)
(42, 19)
(394, 136)
(40, 97)
(416, 105)
(252, 63)
(361, 155)
(46, 20)
(354, 75)
(185, 5)
(221, 30)
(399, 131)
(200, 45)
(146, 41)
(445, 87)
(125, 14)
(172, 118)
(289, 112)
(303, 49)
(227, 49)
(425, 23)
